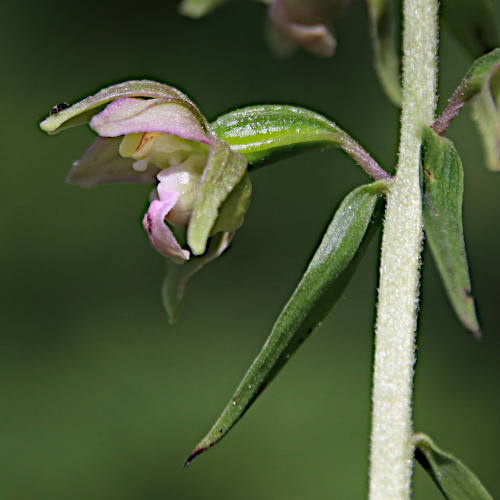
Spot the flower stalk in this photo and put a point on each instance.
(391, 461)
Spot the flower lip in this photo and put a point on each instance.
(160, 235)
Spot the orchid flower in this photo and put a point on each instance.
(152, 133)
(293, 23)
(306, 24)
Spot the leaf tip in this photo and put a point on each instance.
(477, 334)
(197, 451)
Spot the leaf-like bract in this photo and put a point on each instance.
(321, 286)
(443, 198)
(452, 477)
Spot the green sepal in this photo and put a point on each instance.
(178, 275)
(385, 48)
(232, 211)
(452, 477)
(267, 133)
(82, 111)
(198, 8)
(443, 198)
(223, 171)
(320, 288)
(472, 24)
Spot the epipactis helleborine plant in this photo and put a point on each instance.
(152, 133)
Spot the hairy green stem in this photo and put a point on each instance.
(391, 461)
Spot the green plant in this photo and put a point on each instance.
(426, 191)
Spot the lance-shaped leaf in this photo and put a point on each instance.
(222, 173)
(63, 117)
(321, 286)
(443, 196)
(385, 48)
(198, 8)
(267, 133)
(472, 24)
(476, 81)
(452, 477)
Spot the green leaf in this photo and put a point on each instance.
(198, 8)
(224, 170)
(476, 81)
(267, 133)
(452, 477)
(385, 47)
(82, 111)
(321, 286)
(487, 118)
(178, 275)
(472, 24)
(443, 196)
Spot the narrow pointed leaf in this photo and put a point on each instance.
(267, 133)
(452, 477)
(476, 81)
(198, 8)
(443, 196)
(472, 24)
(321, 286)
(224, 170)
(385, 47)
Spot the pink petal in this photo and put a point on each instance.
(82, 111)
(102, 164)
(128, 115)
(305, 29)
(160, 235)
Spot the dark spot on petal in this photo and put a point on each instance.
(467, 292)
(59, 107)
(221, 431)
(309, 331)
(148, 224)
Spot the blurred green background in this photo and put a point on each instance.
(100, 397)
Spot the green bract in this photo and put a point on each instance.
(443, 197)
(320, 288)
(452, 477)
